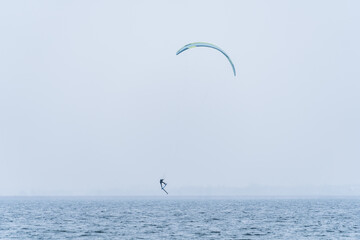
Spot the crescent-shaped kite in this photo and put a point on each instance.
(209, 45)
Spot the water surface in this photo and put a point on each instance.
(178, 218)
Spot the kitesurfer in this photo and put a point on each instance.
(163, 185)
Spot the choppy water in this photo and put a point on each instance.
(175, 218)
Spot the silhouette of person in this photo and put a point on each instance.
(161, 183)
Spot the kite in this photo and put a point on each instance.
(209, 45)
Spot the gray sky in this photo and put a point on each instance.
(93, 99)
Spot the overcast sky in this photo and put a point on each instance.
(93, 99)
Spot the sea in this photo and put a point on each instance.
(179, 218)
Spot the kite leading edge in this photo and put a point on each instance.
(209, 45)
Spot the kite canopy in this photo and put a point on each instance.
(209, 45)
